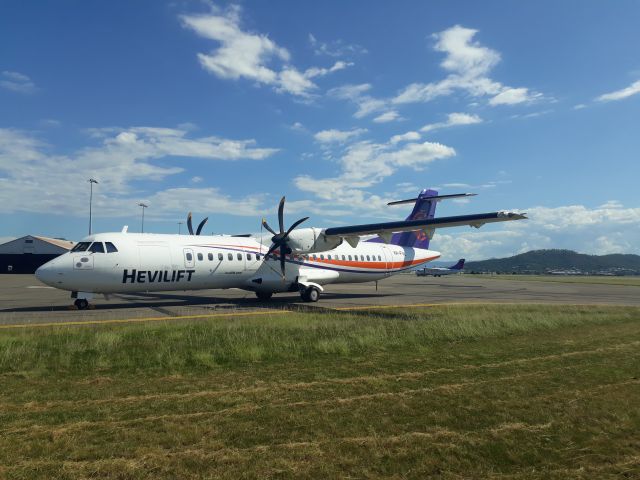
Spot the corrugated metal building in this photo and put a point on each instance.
(26, 254)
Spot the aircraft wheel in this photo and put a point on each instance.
(81, 303)
(264, 296)
(311, 294)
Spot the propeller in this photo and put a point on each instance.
(200, 226)
(279, 239)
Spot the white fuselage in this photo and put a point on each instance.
(156, 262)
(436, 272)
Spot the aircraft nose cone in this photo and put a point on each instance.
(45, 274)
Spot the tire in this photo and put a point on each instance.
(312, 294)
(264, 296)
(81, 303)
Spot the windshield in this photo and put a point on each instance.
(81, 247)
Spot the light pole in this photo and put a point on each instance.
(91, 182)
(143, 205)
(179, 227)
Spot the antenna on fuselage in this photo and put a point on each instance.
(125, 229)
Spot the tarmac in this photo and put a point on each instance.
(25, 301)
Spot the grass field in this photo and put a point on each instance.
(593, 279)
(544, 392)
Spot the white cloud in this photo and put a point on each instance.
(453, 119)
(390, 116)
(356, 93)
(405, 137)
(17, 82)
(609, 228)
(338, 136)
(632, 89)
(513, 96)
(336, 48)
(120, 158)
(251, 56)
(469, 64)
(365, 164)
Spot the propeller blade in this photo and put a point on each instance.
(266, 225)
(271, 250)
(189, 226)
(201, 225)
(295, 225)
(281, 215)
(282, 261)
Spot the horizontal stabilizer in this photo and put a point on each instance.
(436, 198)
(476, 220)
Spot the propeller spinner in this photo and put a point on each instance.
(279, 239)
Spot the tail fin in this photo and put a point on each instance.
(424, 208)
(459, 265)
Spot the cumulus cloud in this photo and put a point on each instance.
(364, 164)
(118, 158)
(469, 64)
(627, 92)
(251, 56)
(17, 82)
(338, 136)
(405, 137)
(453, 119)
(609, 228)
(389, 116)
(513, 96)
(356, 94)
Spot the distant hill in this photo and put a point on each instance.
(556, 261)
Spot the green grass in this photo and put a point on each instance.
(445, 392)
(593, 279)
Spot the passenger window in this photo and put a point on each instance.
(321, 257)
(111, 248)
(362, 258)
(248, 256)
(257, 256)
(239, 255)
(230, 256)
(379, 258)
(210, 256)
(367, 258)
(80, 247)
(220, 256)
(329, 257)
(200, 257)
(96, 247)
(314, 256)
(189, 256)
(343, 257)
(349, 257)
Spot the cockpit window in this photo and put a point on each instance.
(111, 248)
(96, 247)
(80, 247)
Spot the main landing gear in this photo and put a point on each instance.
(309, 294)
(81, 303)
(264, 296)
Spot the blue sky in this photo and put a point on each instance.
(221, 108)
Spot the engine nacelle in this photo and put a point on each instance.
(311, 240)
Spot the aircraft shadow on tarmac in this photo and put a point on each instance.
(158, 301)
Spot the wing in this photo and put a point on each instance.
(351, 233)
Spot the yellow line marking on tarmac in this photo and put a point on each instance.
(137, 320)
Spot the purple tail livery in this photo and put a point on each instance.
(459, 265)
(424, 208)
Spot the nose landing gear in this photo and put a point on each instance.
(82, 300)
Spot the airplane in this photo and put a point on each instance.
(439, 271)
(287, 260)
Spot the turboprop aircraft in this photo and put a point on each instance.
(439, 271)
(287, 260)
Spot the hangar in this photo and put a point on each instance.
(26, 254)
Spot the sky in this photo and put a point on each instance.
(221, 108)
